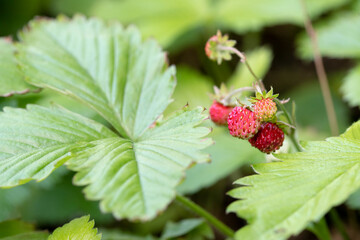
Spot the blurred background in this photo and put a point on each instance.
(272, 35)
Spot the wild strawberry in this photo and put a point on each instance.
(242, 123)
(265, 109)
(208, 50)
(217, 47)
(219, 113)
(269, 138)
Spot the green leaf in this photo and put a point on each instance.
(79, 228)
(11, 79)
(253, 15)
(137, 180)
(122, 235)
(351, 87)
(34, 142)
(186, 227)
(103, 65)
(167, 21)
(28, 236)
(284, 197)
(127, 82)
(339, 37)
(354, 200)
(13, 227)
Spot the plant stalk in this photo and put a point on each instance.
(320, 229)
(221, 227)
(291, 121)
(320, 71)
(339, 225)
(243, 60)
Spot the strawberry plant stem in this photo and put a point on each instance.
(320, 229)
(339, 225)
(291, 122)
(244, 60)
(320, 71)
(221, 227)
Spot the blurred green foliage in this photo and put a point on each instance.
(182, 27)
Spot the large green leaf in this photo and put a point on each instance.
(138, 179)
(11, 79)
(79, 228)
(351, 86)
(339, 37)
(34, 142)
(285, 196)
(127, 82)
(103, 65)
(167, 20)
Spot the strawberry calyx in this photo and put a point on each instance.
(214, 47)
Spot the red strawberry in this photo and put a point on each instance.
(242, 123)
(219, 113)
(269, 138)
(265, 109)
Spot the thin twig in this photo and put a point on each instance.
(320, 71)
(244, 60)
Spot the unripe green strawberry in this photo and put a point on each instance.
(242, 123)
(219, 113)
(265, 109)
(268, 139)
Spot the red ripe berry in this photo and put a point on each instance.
(242, 123)
(219, 113)
(265, 109)
(268, 139)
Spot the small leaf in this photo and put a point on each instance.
(351, 87)
(11, 79)
(284, 197)
(186, 227)
(339, 37)
(79, 228)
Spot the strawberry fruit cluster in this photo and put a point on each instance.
(255, 123)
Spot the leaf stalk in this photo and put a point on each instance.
(220, 226)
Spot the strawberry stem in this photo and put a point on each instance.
(221, 227)
(292, 123)
(243, 60)
(320, 71)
